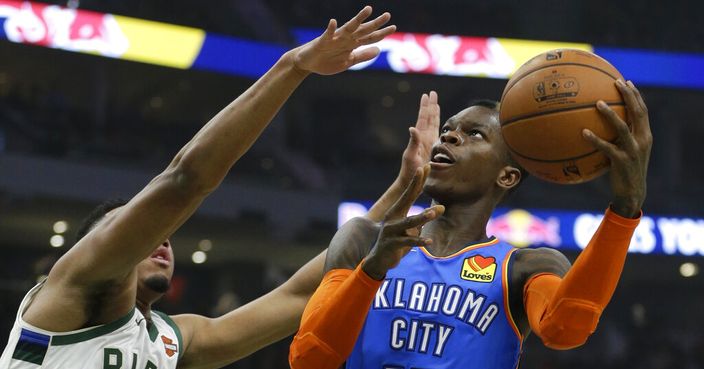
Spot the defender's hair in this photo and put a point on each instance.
(96, 215)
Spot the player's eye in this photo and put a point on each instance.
(475, 133)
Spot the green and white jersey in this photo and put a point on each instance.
(127, 343)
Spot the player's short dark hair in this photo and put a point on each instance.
(96, 215)
(487, 103)
(495, 106)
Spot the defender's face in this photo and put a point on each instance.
(155, 272)
(468, 158)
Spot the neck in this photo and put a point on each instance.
(461, 224)
(145, 308)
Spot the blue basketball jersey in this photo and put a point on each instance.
(442, 313)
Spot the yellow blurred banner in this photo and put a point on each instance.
(160, 43)
(521, 50)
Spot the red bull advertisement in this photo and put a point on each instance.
(101, 34)
(452, 55)
(521, 228)
(571, 230)
(62, 28)
(445, 55)
(181, 47)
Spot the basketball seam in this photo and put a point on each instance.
(571, 107)
(557, 160)
(508, 88)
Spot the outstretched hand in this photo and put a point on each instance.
(399, 232)
(337, 48)
(423, 136)
(629, 154)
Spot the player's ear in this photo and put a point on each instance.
(508, 177)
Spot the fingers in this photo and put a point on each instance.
(422, 111)
(415, 138)
(354, 23)
(607, 148)
(641, 102)
(372, 25)
(622, 130)
(415, 221)
(434, 107)
(632, 104)
(377, 36)
(359, 56)
(640, 121)
(429, 112)
(399, 242)
(330, 30)
(433, 98)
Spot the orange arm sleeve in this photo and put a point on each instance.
(333, 319)
(564, 312)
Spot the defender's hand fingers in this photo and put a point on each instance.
(414, 141)
(330, 30)
(400, 242)
(433, 97)
(365, 54)
(376, 36)
(434, 107)
(400, 208)
(426, 172)
(354, 23)
(414, 221)
(422, 111)
(372, 25)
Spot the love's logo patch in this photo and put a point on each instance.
(477, 268)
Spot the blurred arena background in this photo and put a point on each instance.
(77, 129)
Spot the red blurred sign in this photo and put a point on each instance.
(446, 55)
(63, 28)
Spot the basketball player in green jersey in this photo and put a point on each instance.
(94, 308)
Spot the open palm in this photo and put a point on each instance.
(423, 136)
(337, 48)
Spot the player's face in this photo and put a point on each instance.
(154, 273)
(468, 158)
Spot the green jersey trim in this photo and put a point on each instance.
(69, 339)
(173, 325)
(152, 330)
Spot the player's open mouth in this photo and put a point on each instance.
(441, 158)
(161, 256)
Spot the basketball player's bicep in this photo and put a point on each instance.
(541, 260)
(130, 234)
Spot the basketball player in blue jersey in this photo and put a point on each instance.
(94, 308)
(449, 296)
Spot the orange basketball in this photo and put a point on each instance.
(546, 105)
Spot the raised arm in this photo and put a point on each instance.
(212, 343)
(563, 312)
(105, 258)
(416, 154)
(335, 314)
